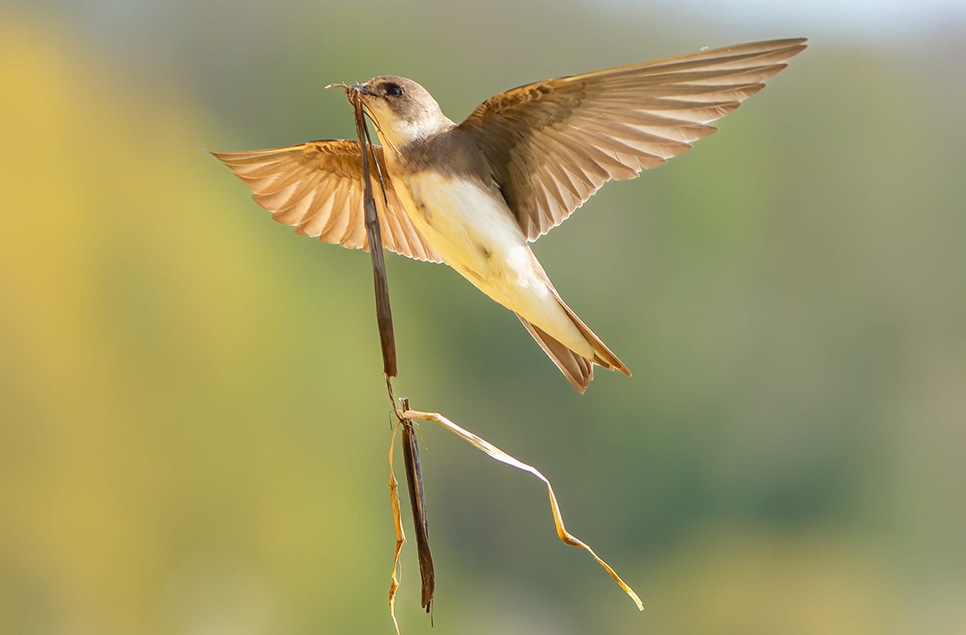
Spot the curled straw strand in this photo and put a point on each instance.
(496, 453)
(400, 534)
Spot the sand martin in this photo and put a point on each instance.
(474, 195)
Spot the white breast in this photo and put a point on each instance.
(470, 227)
(475, 233)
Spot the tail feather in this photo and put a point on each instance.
(578, 369)
(602, 355)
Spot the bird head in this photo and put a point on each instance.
(402, 110)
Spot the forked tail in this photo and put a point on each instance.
(579, 370)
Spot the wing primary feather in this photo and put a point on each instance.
(557, 141)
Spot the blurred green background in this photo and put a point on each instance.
(193, 424)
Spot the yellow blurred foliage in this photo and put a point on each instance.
(734, 582)
(145, 346)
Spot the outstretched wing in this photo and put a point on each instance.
(317, 187)
(554, 143)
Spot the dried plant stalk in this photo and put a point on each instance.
(414, 478)
(417, 500)
(383, 311)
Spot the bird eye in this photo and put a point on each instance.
(392, 90)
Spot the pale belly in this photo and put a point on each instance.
(476, 235)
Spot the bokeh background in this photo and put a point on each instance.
(193, 424)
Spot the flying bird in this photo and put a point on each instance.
(474, 195)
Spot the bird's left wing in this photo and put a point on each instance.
(554, 143)
(318, 188)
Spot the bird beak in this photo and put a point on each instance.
(360, 89)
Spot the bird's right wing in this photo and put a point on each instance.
(318, 188)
